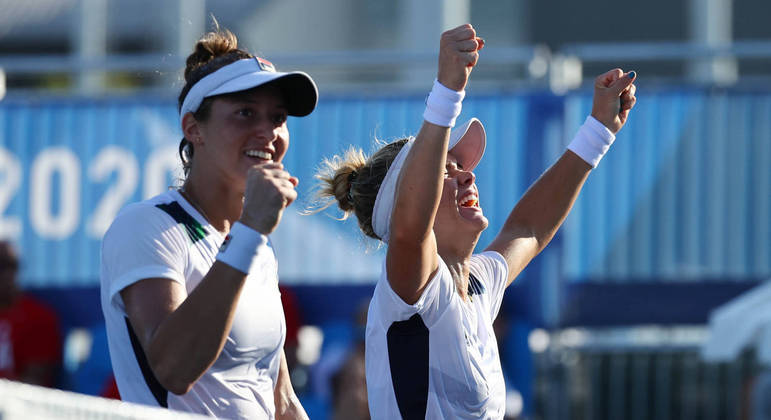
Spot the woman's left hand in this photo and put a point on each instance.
(288, 406)
(614, 98)
(290, 409)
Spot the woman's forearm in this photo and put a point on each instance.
(548, 201)
(543, 208)
(184, 334)
(540, 212)
(420, 185)
(288, 406)
(412, 255)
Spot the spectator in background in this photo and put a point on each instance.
(349, 389)
(293, 320)
(349, 383)
(30, 341)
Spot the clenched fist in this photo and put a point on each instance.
(614, 98)
(269, 190)
(458, 54)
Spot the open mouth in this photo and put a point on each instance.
(260, 154)
(469, 200)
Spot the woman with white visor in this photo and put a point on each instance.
(431, 352)
(189, 279)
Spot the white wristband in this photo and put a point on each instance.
(592, 141)
(242, 247)
(443, 105)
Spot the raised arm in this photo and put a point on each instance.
(169, 322)
(412, 256)
(540, 212)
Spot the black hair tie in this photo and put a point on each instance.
(351, 178)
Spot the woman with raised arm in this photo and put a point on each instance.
(431, 351)
(189, 279)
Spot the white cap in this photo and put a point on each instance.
(300, 92)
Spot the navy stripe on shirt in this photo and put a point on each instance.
(475, 287)
(159, 392)
(408, 360)
(194, 229)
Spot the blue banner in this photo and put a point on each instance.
(684, 193)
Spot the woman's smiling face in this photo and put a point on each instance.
(243, 130)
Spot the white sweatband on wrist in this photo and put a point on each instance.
(443, 105)
(242, 247)
(592, 141)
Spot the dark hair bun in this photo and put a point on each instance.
(209, 47)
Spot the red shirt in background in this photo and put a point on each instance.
(291, 315)
(29, 337)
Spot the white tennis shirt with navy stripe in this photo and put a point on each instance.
(165, 237)
(438, 358)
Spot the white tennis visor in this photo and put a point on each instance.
(467, 143)
(300, 92)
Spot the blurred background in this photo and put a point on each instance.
(649, 303)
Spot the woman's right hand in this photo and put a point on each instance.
(269, 190)
(458, 54)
